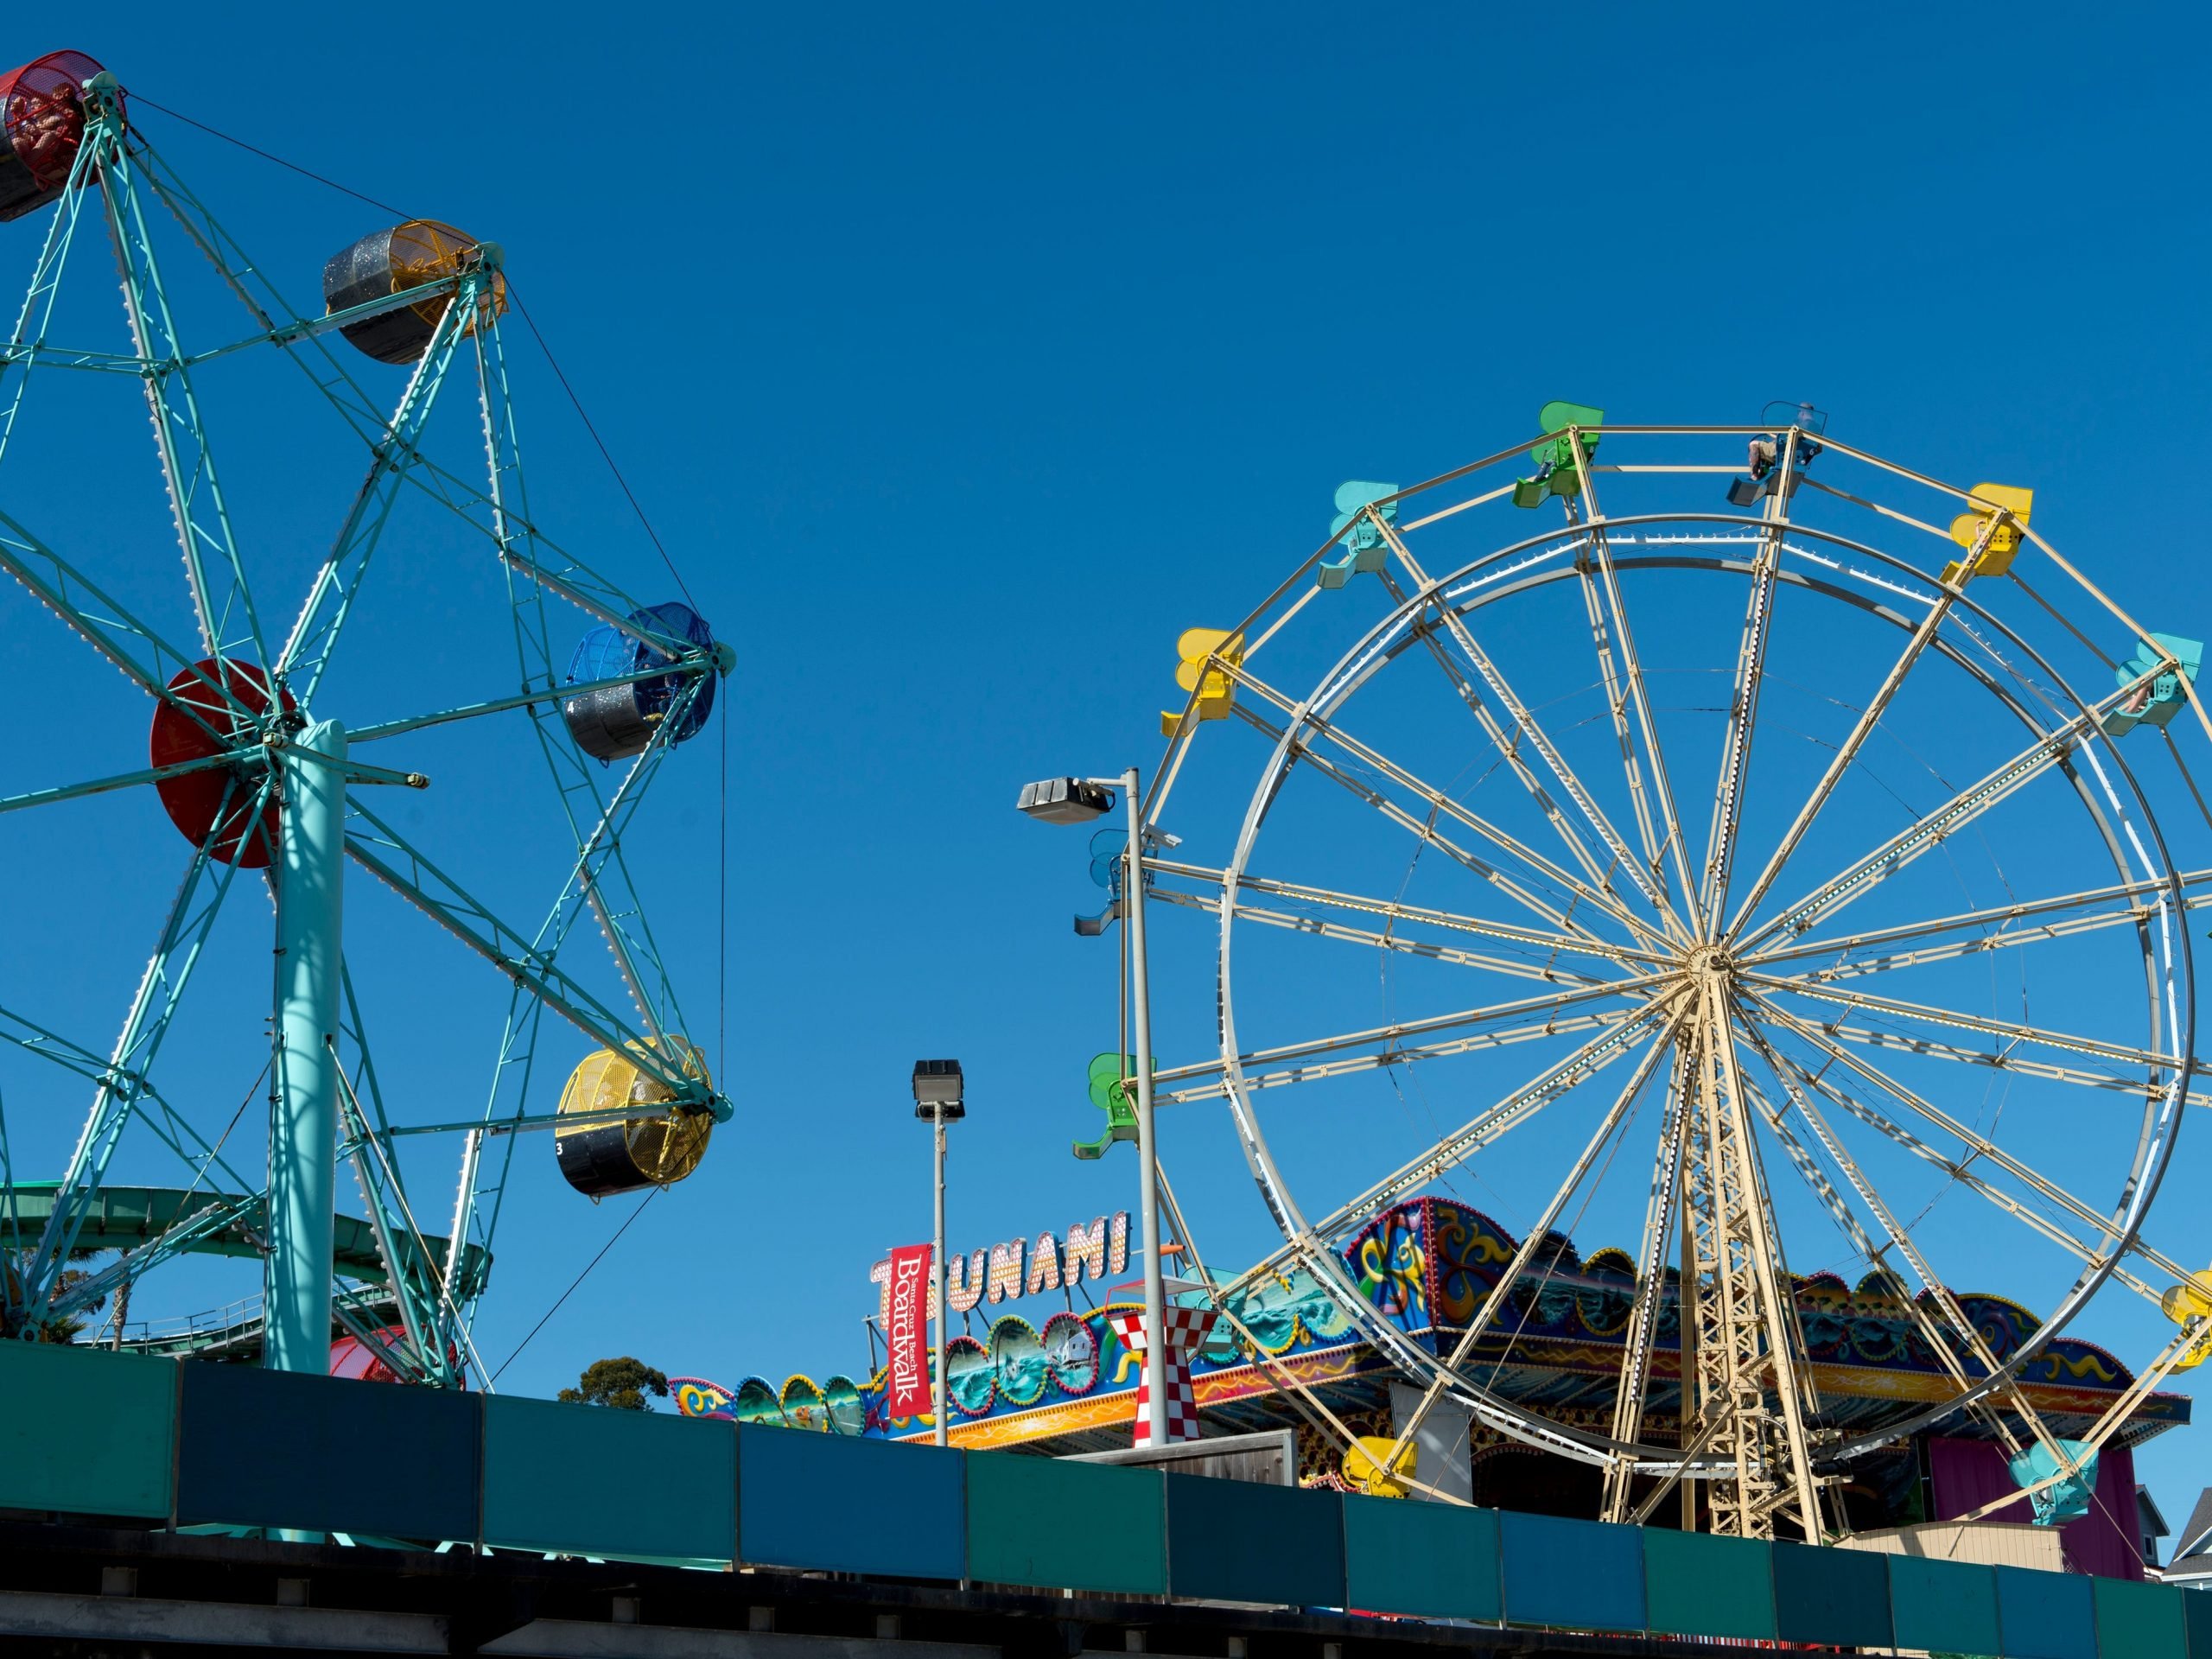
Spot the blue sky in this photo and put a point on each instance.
(962, 361)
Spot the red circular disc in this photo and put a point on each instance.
(196, 800)
(351, 1357)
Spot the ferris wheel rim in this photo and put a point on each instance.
(2161, 1119)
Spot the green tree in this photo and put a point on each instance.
(622, 1384)
(68, 1328)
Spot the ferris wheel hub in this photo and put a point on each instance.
(1708, 962)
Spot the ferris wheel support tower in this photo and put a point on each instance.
(303, 1097)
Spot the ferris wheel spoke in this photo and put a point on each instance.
(1425, 830)
(143, 655)
(1993, 929)
(1932, 829)
(121, 780)
(600, 880)
(1964, 1335)
(1610, 612)
(1533, 1239)
(1318, 1070)
(1979, 1145)
(220, 597)
(1395, 913)
(337, 584)
(403, 867)
(1603, 898)
(504, 521)
(1616, 695)
(2036, 1219)
(1662, 1217)
(1553, 1083)
(122, 1084)
(2006, 1060)
(2012, 1031)
(1743, 711)
(34, 323)
(1869, 717)
(1525, 732)
(524, 549)
(1391, 1042)
(1296, 922)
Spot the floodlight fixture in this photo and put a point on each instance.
(938, 1091)
(1066, 800)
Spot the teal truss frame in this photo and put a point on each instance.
(408, 1296)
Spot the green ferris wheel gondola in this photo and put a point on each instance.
(1110, 1077)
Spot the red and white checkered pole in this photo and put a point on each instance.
(1185, 1330)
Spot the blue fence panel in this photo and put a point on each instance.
(1580, 1575)
(2045, 1615)
(321, 1455)
(636, 1485)
(839, 1504)
(1840, 1596)
(2196, 1617)
(1234, 1541)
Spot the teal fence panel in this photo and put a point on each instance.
(1060, 1525)
(584, 1480)
(1580, 1575)
(1696, 1583)
(85, 1433)
(2045, 1615)
(1839, 1596)
(1437, 1561)
(839, 1504)
(1945, 1607)
(2141, 1621)
(321, 1455)
(2196, 1618)
(1233, 1541)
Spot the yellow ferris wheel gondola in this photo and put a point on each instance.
(655, 1148)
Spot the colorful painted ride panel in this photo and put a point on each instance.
(1426, 1265)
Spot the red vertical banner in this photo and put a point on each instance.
(908, 1391)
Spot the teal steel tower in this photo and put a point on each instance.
(303, 1100)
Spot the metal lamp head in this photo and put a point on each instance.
(1066, 800)
(938, 1089)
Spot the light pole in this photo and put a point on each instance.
(939, 1100)
(1079, 800)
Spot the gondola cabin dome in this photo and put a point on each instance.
(620, 1155)
(42, 114)
(389, 262)
(610, 722)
